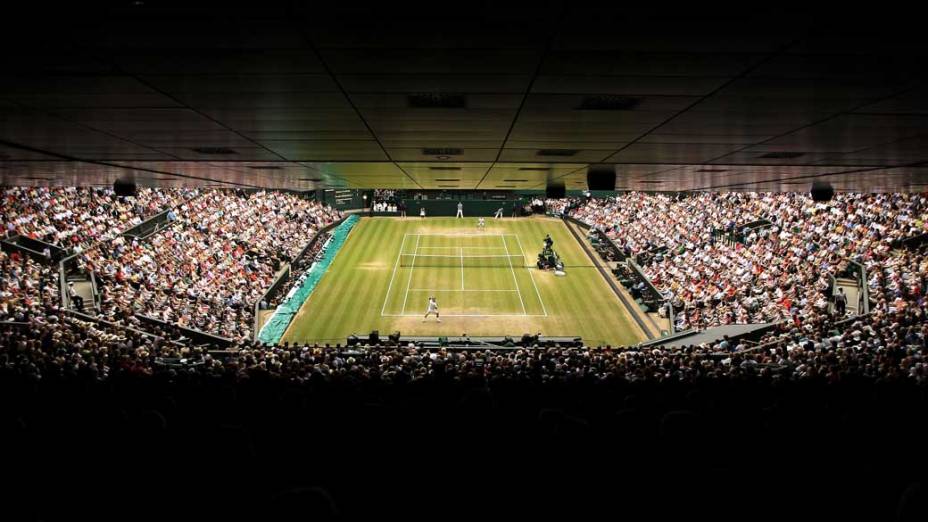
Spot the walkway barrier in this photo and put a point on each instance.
(197, 336)
(274, 328)
(149, 226)
(651, 297)
(34, 249)
(740, 233)
(602, 243)
(911, 243)
(296, 265)
(279, 281)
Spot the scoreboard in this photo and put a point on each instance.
(342, 198)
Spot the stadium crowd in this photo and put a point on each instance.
(75, 218)
(223, 248)
(25, 287)
(884, 346)
(385, 195)
(212, 264)
(776, 272)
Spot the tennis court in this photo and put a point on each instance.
(485, 282)
(471, 275)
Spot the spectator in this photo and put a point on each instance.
(776, 270)
(841, 303)
(75, 297)
(208, 268)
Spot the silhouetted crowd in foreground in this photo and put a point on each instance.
(880, 347)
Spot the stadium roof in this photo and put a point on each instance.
(467, 95)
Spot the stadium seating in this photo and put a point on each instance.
(26, 287)
(101, 385)
(75, 217)
(209, 267)
(777, 272)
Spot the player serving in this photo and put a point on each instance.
(433, 309)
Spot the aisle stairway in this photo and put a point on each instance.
(852, 293)
(84, 288)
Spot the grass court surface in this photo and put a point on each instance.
(484, 280)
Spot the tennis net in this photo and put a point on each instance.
(466, 261)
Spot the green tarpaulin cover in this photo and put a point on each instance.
(275, 327)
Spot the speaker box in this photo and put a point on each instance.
(822, 191)
(556, 192)
(601, 177)
(123, 188)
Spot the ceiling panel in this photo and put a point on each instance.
(671, 152)
(217, 61)
(308, 95)
(387, 61)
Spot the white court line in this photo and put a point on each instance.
(513, 270)
(508, 255)
(459, 290)
(449, 256)
(479, 234)
(462, 268)
(532, 276)
(469, 248)
(395, 266)
(467, 315)
(411, 268)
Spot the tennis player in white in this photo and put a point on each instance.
(433, 309)
(481, 223)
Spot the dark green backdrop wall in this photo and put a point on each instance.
(449, 207)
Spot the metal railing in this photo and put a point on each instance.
(740, 233)
(64, 267)
(150, 226)
(643, 258)
(856, 271)
(193, 334)
(281, 278)
(94, 291)
(109, 324)
(863, 286)
(284, 277)
(656, 298)
(315, 238)
(618, 252)
(911, 243)
(774, 342)
(33, 248)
